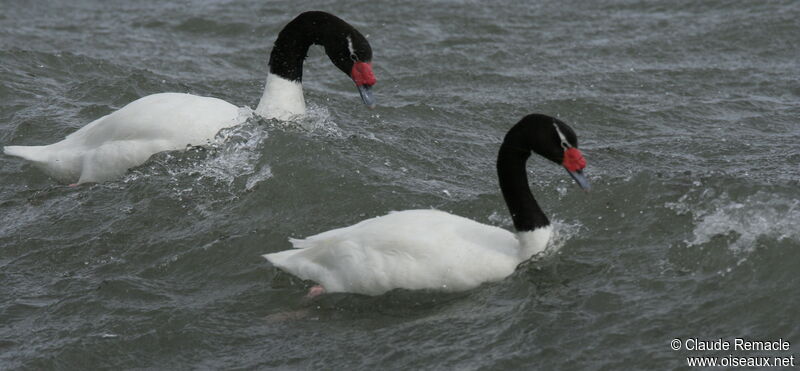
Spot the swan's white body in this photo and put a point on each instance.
(413, 249)
(112, 144)
(282, 99)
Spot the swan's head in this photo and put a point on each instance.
(353, 55)
(556, 141)
(347, 48)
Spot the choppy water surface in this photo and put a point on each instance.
(687, 113)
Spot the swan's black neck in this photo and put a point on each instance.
(546, 136)
(534, 133)
(342, 42)
(525, 211)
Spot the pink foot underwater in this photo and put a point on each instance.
(315, 291)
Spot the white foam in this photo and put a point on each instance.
(317, 120)
(262, 174)
(743, 220)
(562, 232)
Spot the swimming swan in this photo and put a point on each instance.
(431, 249)
(107, 147)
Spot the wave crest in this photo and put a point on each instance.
(742, 220)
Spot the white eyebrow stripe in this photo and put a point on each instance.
(561, 136)
(350, 45)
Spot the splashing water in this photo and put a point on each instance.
(233, 153)
(562, 232)
(760, 215)
(317, 120)
(234, 160)
(236, 153)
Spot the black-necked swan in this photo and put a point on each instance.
(107, 147)
(431, 249)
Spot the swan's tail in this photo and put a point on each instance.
(279, 259)
(300, 243)
(31, 153)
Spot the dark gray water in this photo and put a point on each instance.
(686, 111)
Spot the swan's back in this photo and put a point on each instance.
(108, 146)
(413, 249)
